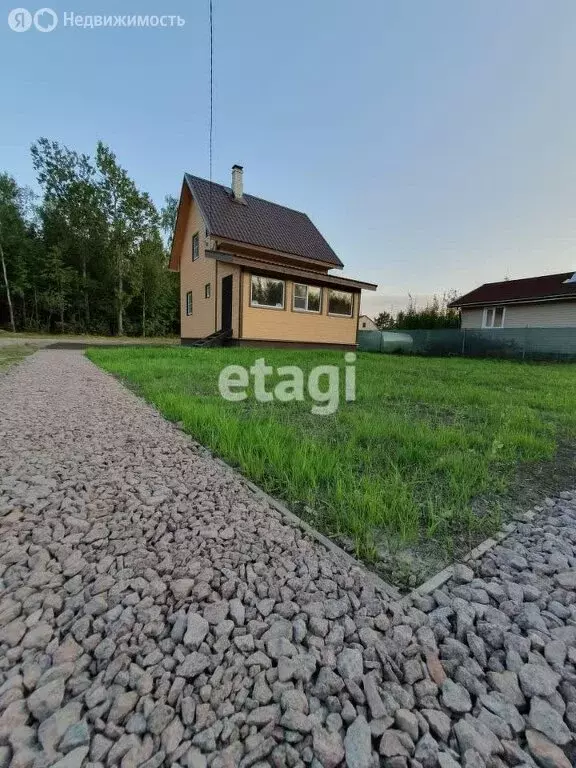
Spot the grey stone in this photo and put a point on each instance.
(38, 637)
(555, 652)
(496, 724)
(567, 579)
(546, 754)
(295, 720)
(53, 728)
(375, 703)
(328, 683)
(77, 735)
(471, 737)
(358, 744)
(136, 723)
(447, 761)
(439, 723)
(193, 665)
(500, 706)
(456, 697)
(214, 613)
(182, 588)
(547, 720)
(159, 718)
(462, 574)
(122, 705)
(294, 699)
(473, 759)
(350, 664)
(172, 735)
(407, 722)
(328, 747)
(426, 752)
(280, 646)
(73, 759)
(393, 744)
(237, 611)
(538, 680)
(99, 747)
(44, 701)
(196, 630)
(507, 684)
(194, 759)
(264, 715)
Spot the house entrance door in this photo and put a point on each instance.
(226, 294)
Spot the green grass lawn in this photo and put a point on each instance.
(405, 463)
(13, 353)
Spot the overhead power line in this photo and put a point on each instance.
(211, 133)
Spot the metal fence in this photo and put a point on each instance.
(512, 343)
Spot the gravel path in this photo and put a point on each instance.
(153, 611)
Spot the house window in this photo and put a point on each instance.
(493, 317)
(189, 303)
(340, 303)
(363, 323)
(267, 292)
(307, 298)
(195, 246)
(207, 291)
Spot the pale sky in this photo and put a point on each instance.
(433, 143)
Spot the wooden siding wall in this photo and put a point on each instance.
(547, 314)
(288, 325)
(193, 277)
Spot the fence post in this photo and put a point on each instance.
(463, 341)
(524, 344)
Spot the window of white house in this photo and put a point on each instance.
(307, 298)
(340, 303)
(195, 246)
(207, 291)
(189, 303)
(493, 317)
(267, 292)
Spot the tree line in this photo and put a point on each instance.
(87, 255)
(436, 314)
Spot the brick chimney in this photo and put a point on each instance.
(237, 183)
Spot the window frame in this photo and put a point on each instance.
(207, 291)
(339, 314)
(188, 302)
(196, 246)
(256, 305)
(492, 312)
(306, 309)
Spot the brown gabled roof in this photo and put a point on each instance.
(259, 222)
(528, 289)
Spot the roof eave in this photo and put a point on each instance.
(207, 222)
(498, 302)
(173, 263)
(303, 274)
(306, 259)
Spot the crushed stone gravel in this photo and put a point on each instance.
(155, 611)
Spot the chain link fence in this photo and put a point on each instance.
(511, 343)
